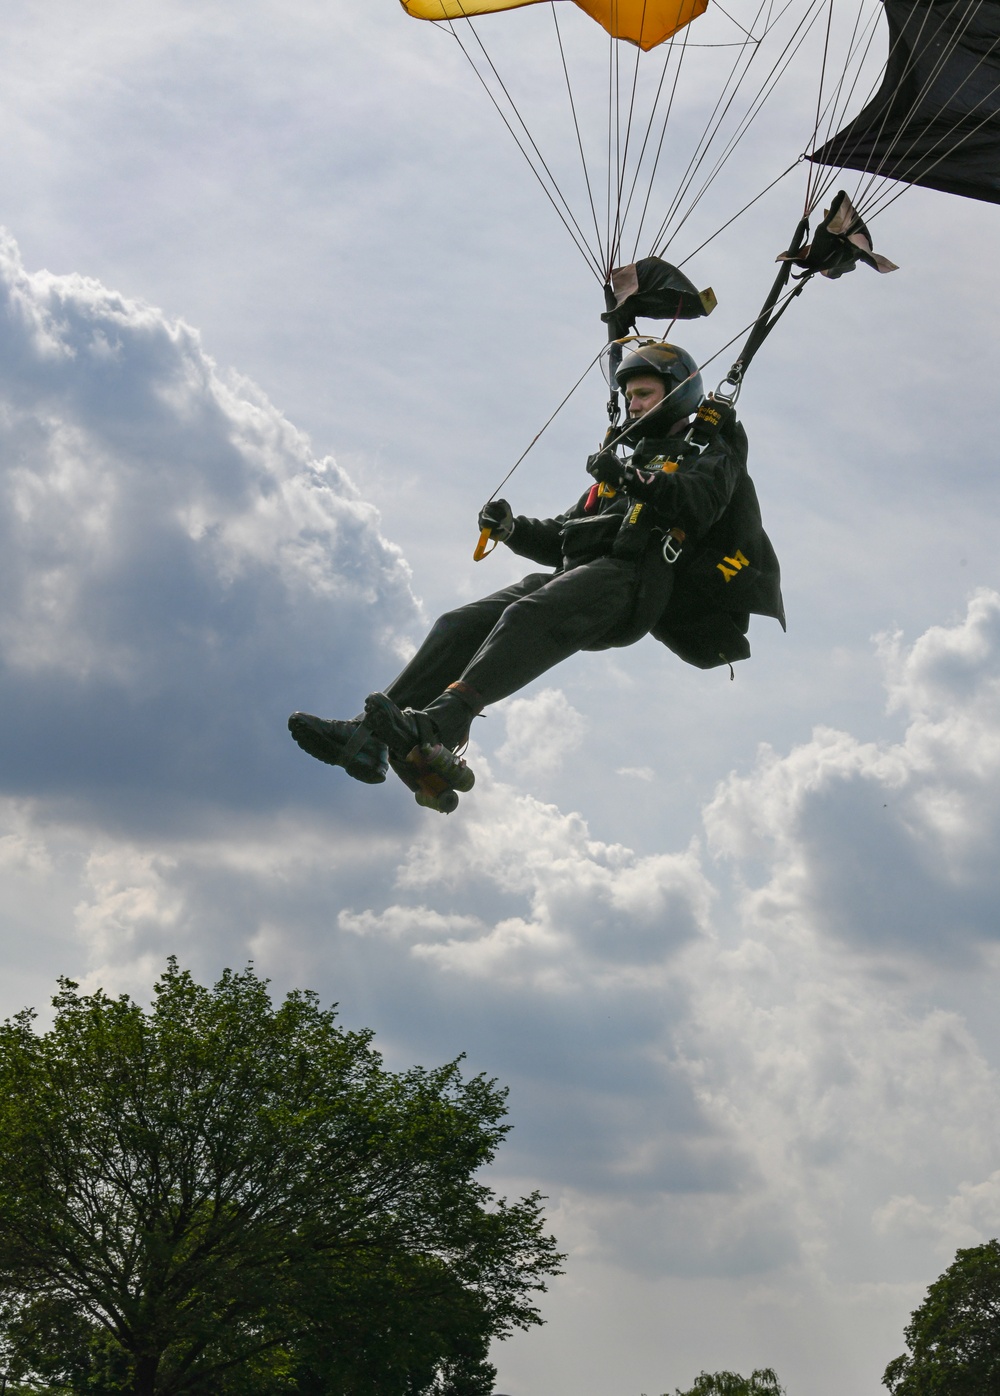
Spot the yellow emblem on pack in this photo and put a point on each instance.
(735, 565)
(636, 511)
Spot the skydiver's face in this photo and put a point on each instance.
(642, 393)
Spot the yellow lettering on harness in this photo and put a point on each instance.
(735, 565)
(636, 511)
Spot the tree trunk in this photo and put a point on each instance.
(145, 1374)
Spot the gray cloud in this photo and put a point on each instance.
(890, 845)
(759, 1088)
(179, 570)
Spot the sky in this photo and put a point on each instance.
(279, 308)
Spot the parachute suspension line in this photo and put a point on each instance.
(614, 128)
(567, 218)
(926, 169)
(733, 20)
(611, 117)
(879, 185)
(645, 141)
(838, 104)
(878, 182)
(875, 180)
(858, 195)
(615, 249)
(542, 429)
(779, 306)
(871, 189)
(808, 207)
(755, 40)
(834, 174)
(576, 128)
(777, 70)
(663, 133)
(774, 75)
(708, 133)
(734, 142)
(738, 135)
(767, 188)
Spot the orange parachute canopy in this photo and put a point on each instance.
(643, 22)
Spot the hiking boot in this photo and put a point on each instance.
(412, 737)
(339, 743)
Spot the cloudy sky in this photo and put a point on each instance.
(279, 306)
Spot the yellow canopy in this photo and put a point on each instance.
(643, 22)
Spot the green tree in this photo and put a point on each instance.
(762, 1382)
(220, 1195)
(954, 1337)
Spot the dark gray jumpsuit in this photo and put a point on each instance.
(612, 582)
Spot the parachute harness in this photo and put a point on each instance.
(840, 242)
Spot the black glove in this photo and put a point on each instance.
(606, 468)
(498, 518)
(641, 484)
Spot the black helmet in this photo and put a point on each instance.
(677, 370)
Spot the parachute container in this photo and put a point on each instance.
(642, 22)
(936, 118)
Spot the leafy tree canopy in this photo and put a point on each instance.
(954, 1337)
(762, 1382)
(220, 1195)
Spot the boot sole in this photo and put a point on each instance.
(327, 749)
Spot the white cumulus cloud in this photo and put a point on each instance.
(179, 570)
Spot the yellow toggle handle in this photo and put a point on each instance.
(481, 549)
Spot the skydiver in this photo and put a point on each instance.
(668, 542)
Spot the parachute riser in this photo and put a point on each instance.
(765, 321)
(614, 360)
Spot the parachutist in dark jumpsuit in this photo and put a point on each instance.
(669, 542)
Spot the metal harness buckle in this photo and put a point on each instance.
(672, 544)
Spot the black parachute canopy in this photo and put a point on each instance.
(936, 118)
(655, 290)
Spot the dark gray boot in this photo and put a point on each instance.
(341, 743)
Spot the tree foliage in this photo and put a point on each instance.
(954, 1337)
(220, 1195)
(762, 1382)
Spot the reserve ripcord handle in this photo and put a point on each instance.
(482, 547)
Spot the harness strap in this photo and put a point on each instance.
(766, 321)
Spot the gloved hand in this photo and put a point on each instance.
(498, 518)
(641, 484)
(606, 468)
